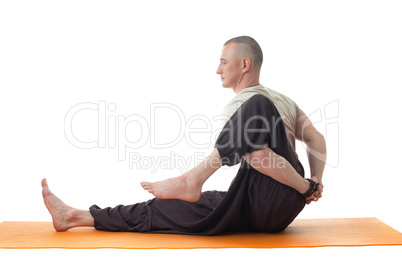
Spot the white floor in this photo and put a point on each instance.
(384, 256)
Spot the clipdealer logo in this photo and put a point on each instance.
(113, 133)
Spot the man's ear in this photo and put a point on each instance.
(245, 65)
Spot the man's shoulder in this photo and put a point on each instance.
(275, 95)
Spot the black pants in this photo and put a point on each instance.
(253, 202)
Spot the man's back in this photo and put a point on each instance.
(287, 108)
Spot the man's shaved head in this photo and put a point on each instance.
(246, 46)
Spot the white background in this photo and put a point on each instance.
(54, 55)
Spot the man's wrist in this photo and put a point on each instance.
(304, 186)
(319, 178)
(312, 189)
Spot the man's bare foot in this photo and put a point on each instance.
(64, 217)
(180, 187)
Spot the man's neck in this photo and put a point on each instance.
(240, 87)
(247, 80)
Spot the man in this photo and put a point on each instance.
(269, 190)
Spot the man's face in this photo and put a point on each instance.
(229, 67)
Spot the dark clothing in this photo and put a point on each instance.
(253, 202)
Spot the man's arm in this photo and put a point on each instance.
(277, 167)
(315, 142)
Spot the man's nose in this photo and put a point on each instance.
(219, 71)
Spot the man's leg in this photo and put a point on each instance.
(256, 124)
(64, 217)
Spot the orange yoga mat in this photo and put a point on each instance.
(301, 233)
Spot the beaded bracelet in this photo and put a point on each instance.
(313, 187)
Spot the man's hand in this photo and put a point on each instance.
(317, 194)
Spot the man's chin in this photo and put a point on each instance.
(225, 86)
